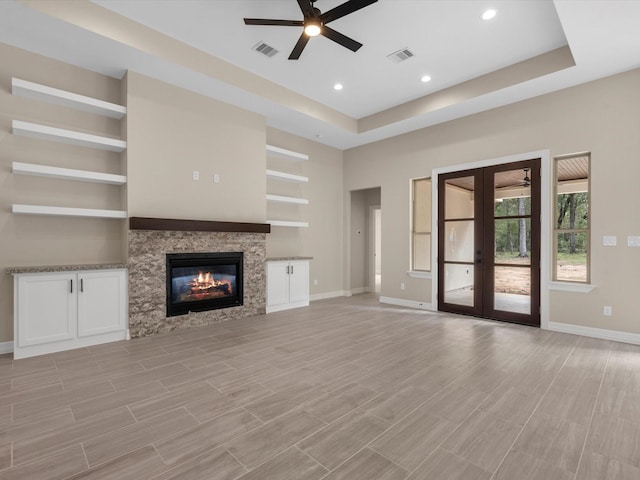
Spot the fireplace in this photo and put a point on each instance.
(197, 282)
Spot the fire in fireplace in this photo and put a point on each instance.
(203, 281)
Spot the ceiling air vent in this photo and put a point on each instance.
(400, 55)
(265, 49)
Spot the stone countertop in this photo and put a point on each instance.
(65, 268)
(284, 259)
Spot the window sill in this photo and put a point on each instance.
(571, 287)
(414, 274)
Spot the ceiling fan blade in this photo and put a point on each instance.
(297, 50)
(282, 23)
(307, 8)
(343, 40)
(344, 9)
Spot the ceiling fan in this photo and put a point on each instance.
(315, 23)
(526, 181)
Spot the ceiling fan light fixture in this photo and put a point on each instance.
(312, 28)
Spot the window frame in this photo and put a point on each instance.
(413, 231)
(557, 231)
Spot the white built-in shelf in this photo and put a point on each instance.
(287, 177)
(283, 153)
(28, 89)
(67, 173)
(293, 200)
(67, 212)
(67, 136)
(287, 223)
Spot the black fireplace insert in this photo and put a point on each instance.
(203, 281)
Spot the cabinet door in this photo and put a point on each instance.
(299, 281)
(46, 309)
(277, 283)
(101, 302)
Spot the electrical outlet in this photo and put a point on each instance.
(609, 240)
(607, 310)
(216, 178)
(402, 286)
(196, 175)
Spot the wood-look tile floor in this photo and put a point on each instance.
(346, 389)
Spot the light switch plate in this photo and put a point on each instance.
(633, 241)
(609, 240)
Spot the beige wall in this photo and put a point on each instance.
(37, 240)
(323, 239)
(171, 133)
(602, 117)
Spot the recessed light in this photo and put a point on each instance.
(338, 86)
(489, 14)
(425, 79)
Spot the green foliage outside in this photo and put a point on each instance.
(512, 236)
(572, 258)
(572, 212)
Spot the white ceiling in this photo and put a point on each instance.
(451, 43)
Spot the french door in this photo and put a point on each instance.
(489, 242)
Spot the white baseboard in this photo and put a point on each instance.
(356, 291)
(616, 336)
(325, 295)
(407, 303)
(6, 347)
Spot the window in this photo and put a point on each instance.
(421, 225)
(571, 228)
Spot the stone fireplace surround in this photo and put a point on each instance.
(149, 240)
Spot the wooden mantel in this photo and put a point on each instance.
(143, 223)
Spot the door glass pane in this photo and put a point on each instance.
(512, 194)
(509, 207)
(458, 242)
(512, 289)
(512, 242)
(458, 284)
(458, 202)
(571, 259)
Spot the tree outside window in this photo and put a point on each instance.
(572, 221)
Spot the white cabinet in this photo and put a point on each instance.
(287, 284)
(65, 310)
(47, 308)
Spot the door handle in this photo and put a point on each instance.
(71, 286)
(288, 270)
(291, 269)
(81, 285)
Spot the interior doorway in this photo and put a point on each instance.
(375, 249)
(489, 242)
(364, 248)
